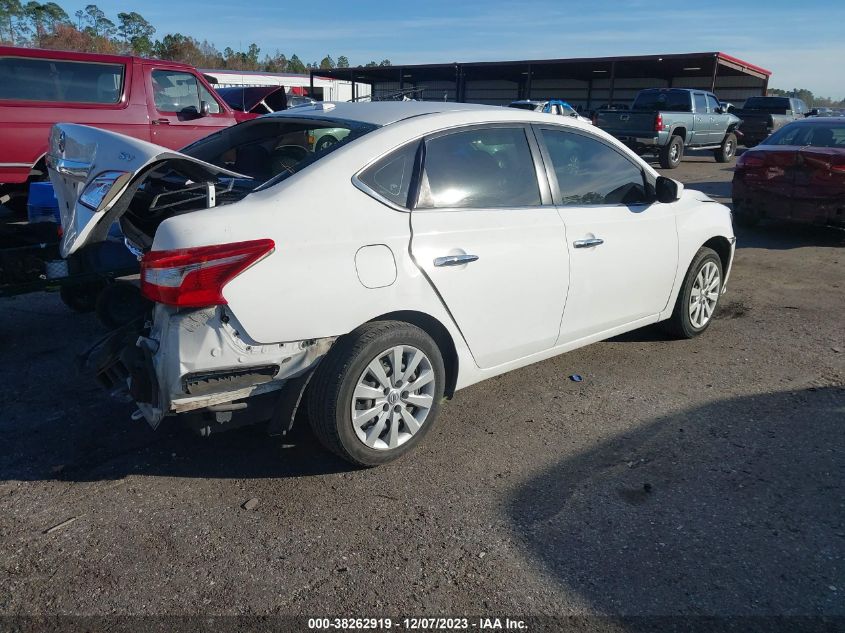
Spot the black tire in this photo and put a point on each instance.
(325, 142)
(330, 395)
(671, 154)
(81, 298)
(727, 152)
(680, 324)
(120, 303)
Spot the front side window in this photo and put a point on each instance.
(175, 91)
(391, 176)
(712, 104)
(591, 173)
(30, 79)
(481, 168)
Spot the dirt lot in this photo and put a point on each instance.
(696, 477)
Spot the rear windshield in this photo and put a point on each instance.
(768, 104)
(525, 106)
(29, 79)
(272, 148)
(666, 100)
(813, 135)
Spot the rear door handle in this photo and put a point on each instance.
(454, 260)
(160, 121)
(593, 241)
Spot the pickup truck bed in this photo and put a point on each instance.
(763, 115)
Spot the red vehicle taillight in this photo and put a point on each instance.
(194, 277)
(749, 160)
(658, 123)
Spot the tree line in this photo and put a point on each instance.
(807, 97)
(90, 30)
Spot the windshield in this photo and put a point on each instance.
(815, 135)
(666, 100)
(767, 104)
(526, 106)
(270, 149)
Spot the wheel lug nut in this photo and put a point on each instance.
(397, 408)
(398, 383)
(386, 391)
(405, 395)
(386, 407)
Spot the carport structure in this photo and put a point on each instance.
(588, 83)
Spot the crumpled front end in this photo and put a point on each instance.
(189, 360)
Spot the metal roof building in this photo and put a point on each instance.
(586, 82)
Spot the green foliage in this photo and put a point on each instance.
(807, 97)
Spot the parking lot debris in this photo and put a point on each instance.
(250, 504)
(836, 350)
(61, 525)
(576, 378)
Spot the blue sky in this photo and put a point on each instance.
(802, 42)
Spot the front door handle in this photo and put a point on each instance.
(454, 260)
(593, 241)
(160, 121)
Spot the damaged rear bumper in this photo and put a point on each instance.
(196, 360)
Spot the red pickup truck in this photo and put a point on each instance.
(167, 103)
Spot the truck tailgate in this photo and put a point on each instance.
(624, 123)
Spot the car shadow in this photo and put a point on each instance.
(731, 508)
(783, 236)
(107, 445)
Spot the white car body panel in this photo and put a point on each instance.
(512, 245)
(78, 154)
(529, 296)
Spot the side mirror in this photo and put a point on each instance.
(720, 110)
(204, 108)
(667, 190)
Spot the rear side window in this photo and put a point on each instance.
(591, 173)
(480, 168)
(176, 91)
(29, 79)
(700, 103)
(391, 176)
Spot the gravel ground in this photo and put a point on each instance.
(701, 477)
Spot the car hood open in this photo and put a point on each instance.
(107, 168)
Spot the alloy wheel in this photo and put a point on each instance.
(704, 295)
(393, 397)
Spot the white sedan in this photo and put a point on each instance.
(434, 246)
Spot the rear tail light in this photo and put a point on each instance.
(194, 277)
(658, 123)
(749, 160)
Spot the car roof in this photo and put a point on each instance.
(819, 120)
(380, 112)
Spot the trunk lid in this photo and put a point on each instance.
(95, 174)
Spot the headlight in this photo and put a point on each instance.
(97, 189)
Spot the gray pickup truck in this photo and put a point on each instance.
(666, 121)
(763, 115)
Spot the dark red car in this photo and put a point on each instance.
(797, 174)
(167, 103)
